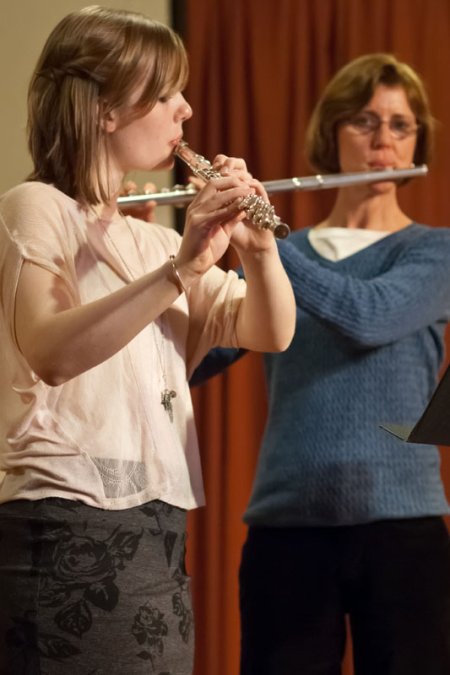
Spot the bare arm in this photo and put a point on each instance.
(61, 341)
(266, 320)
(267, 314)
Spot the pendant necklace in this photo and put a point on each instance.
(166, 394)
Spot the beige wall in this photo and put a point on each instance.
(24, 26)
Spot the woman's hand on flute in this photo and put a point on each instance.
(242, 238)
(210, 220)
(245, 237)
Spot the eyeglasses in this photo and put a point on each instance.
(369, 123)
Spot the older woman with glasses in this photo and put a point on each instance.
(345, 520)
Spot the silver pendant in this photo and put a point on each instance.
(166, 401)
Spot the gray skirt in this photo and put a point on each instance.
(85, 591)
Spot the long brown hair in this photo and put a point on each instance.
(93, 60)
(349, 91)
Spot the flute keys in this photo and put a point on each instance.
(263, 215)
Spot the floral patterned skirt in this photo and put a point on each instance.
(90, 592)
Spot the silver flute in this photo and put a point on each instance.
(259, 213)
(180, 195)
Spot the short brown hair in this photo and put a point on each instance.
(350, 90)
(93, 60)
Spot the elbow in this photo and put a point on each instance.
(51, 377)
(283, 337)
(52, 362)
(48, 363)
(52, 372)
(282, 340)
(280, 347)
(271, 343)
(286, 326)
(286, 341)
(54, 380)
(290, 329)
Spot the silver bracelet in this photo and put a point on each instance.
(178, 282)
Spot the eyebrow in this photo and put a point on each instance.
(395, 114)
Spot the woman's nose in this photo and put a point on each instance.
(382, 135)
(185, 110)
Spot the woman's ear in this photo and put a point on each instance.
(109, 122)
(108, 119)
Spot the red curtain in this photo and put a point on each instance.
(257, 69)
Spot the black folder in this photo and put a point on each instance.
(433, 427)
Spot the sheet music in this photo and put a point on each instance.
(433, 427)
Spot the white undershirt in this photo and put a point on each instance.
(337, 243)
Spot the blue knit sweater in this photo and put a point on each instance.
(367, 350)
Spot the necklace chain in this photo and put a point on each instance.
(167, 394)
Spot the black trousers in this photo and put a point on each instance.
(391, 578)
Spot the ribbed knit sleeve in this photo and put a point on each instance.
(411, 292)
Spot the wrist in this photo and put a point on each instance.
(258, 255)
(176, 276)
(181, 275)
